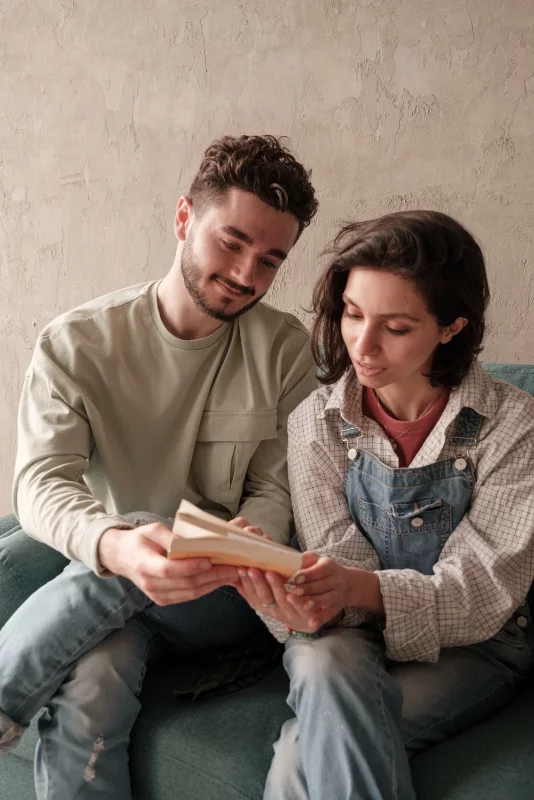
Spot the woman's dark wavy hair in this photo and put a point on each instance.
(444, 263)
(257, 164)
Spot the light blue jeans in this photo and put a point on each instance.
(80, 647)
(359, 716)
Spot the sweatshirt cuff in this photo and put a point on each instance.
(90, 537)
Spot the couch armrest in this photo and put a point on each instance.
(25, 565)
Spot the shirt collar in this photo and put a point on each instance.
(476, 391)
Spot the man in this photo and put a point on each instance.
(178, 388)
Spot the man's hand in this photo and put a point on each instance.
(141, 556)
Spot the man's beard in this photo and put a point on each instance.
(192, 275)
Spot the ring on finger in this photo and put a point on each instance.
(272, 604)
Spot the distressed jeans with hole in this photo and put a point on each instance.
(80, 647)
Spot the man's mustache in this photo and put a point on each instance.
(237, 287)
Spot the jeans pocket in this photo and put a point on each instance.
(517, 631)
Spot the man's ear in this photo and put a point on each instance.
(183, 218)
(451, 330)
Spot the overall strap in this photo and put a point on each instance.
(348, 429)
(467, 426)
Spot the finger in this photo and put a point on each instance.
(257, 530)
(309, 559)
(321, 568)
(310, 605)
(157, 534)
(280, 595)
(170, 580)
(322, 617)
(186, 595)
(318, 587)
(244, 594)
(241, 522)
(261, 586)
(249, 588)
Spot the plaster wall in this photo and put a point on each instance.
(107, 105)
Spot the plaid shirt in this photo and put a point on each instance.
(487, 565)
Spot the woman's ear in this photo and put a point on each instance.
(451, 330)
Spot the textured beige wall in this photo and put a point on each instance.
(106, 106)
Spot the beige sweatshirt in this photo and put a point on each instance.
(119, 415)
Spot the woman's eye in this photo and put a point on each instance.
(352, 316)
(398, 332)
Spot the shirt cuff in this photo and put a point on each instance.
(411, 632)
(276, 628)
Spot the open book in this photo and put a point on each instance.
(199, 534)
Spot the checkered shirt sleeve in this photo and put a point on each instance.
(487, 565)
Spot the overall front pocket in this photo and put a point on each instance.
(408, 535)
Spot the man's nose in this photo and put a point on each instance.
(244, 271)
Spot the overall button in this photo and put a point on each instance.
(522, 622)
(417, 522)
(460, 464)
(352, 453)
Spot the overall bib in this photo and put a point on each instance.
(408, 514)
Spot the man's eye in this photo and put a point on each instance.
(230, 245)
(267, 263)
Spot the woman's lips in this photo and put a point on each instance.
(368, 371)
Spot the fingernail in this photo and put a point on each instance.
(298, 592)
(309, 605)
(300, 579)
(242, 572)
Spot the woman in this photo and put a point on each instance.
(412, 477)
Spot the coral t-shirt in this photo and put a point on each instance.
(408, 436)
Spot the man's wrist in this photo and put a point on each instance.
(108, 547)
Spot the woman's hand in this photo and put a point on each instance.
(324, 588)
(266, 591)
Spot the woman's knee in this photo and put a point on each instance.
(341, 657)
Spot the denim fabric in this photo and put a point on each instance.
(80, 646)
(358, 715)
(408, 514)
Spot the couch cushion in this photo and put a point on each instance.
(25, 565)
(220, 748)
(521, 375)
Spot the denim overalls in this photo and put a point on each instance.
(359, 714)
(408, 514)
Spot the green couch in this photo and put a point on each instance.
(220, 748)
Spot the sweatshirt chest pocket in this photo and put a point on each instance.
(225, 445)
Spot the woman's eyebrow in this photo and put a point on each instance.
(390, 315)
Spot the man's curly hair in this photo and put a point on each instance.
(257, 164)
